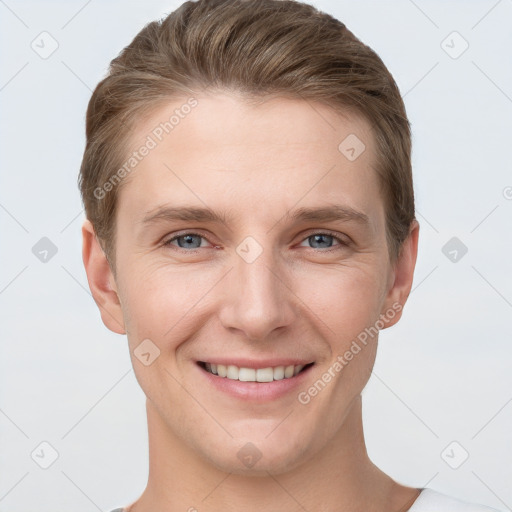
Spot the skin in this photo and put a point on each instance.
(300, 298)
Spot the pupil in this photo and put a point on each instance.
(320, 238)
(188, 240)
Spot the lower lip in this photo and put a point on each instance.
(256, 391)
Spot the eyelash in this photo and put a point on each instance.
(342, 243)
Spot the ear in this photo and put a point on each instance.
(101, 280)
(401, 278)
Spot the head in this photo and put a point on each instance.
(248, 191)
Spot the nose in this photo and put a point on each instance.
(257, 298)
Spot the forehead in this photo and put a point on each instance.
(227, 152)
(242, 118)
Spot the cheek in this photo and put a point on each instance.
(348, 306)
(167, 303)
(162, 303)
(346, 299)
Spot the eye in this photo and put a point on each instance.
(190, 242)
(324, 240)
(187, 240)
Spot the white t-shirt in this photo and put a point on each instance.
(432, 501)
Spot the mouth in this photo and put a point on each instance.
(258, 375)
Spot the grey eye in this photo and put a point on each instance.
(321, 239)
(188, 241)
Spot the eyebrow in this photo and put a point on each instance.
(329, 213)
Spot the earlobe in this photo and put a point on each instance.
(101, 280)
(403, 274)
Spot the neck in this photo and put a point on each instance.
(340, 477)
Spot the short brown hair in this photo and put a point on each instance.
(259, 48)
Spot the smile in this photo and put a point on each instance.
(242, 374)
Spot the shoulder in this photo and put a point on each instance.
(433, 501)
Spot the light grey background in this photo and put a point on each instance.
(442, 374)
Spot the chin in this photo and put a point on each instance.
(258, 456)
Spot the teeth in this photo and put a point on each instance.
(233, 372)
(279, 373)
(246, 374)
(288, 372)
(264, 375)
(254, 375)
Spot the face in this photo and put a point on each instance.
(249, 244)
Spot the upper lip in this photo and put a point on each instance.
(252, 363)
